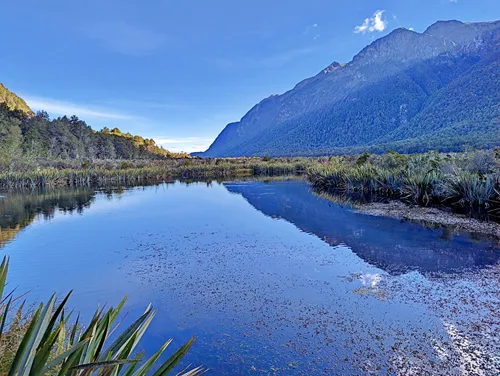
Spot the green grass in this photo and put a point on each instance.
(460, 178)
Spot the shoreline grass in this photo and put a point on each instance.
(70, 173)
(467, 179)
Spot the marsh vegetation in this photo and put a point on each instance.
(467, 179)
(99, 172)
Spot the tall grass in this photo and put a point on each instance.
(423, 179)
(68, 173)
(472, 189)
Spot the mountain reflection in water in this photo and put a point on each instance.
(392, 245)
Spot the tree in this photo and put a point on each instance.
(10, 140)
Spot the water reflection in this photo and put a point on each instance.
(20, 208)
(260, 295)
(392, 245)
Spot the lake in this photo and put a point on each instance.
(270, 278)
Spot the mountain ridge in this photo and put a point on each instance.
(13, 101)
(352, 100)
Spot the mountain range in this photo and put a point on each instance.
(406, 91)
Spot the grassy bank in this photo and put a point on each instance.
(469, 179)
(73, 173)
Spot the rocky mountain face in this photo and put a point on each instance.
(13, 102)
(407, 91)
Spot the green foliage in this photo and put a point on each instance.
(393, 160)
(72, 173)
(472, 189)
(421, 186)
(125, 165)
(10, 140)
(86, 164)
(362, 159)
(36, 137)
(46, 344)
(423, 179)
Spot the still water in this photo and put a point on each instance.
(270, 278)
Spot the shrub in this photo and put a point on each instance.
(482, 162)
(125, 165)
(422, 187)
(362, 159)
(86, 164)
(393, 160)
(471, 189)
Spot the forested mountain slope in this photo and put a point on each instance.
(407, 91)
(13, 102)
(24, 135)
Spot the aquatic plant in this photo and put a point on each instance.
(44, 343)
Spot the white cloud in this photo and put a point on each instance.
(187, 144)
(373, 23)
(411, 29)
(57, 107)
(370, 280)
(312, 30)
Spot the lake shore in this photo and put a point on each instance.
(74, 173)
(430, 216)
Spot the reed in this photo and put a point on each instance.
(131, 172)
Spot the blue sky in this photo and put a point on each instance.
(179, 71)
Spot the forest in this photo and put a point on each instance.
(27, 138)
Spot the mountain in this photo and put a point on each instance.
(406, 91)
(14, 102)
